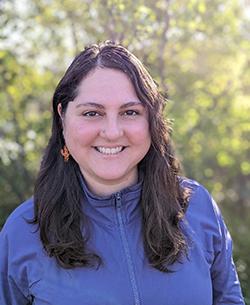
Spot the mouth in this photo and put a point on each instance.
(109, 150)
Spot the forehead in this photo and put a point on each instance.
(104, 84)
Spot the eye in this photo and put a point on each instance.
(131, 113)
(91, 114)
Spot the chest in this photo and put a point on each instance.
(125, 277)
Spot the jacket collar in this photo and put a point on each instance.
(104, 209)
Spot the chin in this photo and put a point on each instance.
(113, 176)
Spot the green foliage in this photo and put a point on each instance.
(23, 124)
(198, 51)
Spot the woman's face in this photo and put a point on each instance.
(106, 130)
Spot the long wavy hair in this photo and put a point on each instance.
(58, 193)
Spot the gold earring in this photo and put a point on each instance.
(65, 153)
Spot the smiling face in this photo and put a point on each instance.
(106, 130)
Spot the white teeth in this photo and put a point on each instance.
(109, 151)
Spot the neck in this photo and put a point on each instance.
(106, 188)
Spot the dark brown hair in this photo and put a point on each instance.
(58, 193)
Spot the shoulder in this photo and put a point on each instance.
(25, 209)
(20, 238)
(19, 221)
(203, 214)
(21, 254)
(203, 218)
(200, 200)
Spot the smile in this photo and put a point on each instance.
(109, 151)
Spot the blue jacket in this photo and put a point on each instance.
(206, 277)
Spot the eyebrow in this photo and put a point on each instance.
(100, 106)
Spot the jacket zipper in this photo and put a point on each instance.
(126, 249)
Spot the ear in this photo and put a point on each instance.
(59, 110)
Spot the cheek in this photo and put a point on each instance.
(140, 134)
(79, 134)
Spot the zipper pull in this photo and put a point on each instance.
(118, 200)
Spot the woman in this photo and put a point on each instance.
(111, 222)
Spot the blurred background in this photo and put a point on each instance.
(196, 50)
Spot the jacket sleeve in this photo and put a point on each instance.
(226, 286)
(12, 289)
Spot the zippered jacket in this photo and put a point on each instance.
(206, 276)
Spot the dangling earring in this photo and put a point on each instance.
(65, 153)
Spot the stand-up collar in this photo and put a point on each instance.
(103, 209)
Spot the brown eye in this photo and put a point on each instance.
(131, 113)
(91, 114)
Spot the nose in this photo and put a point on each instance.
(112, 129)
